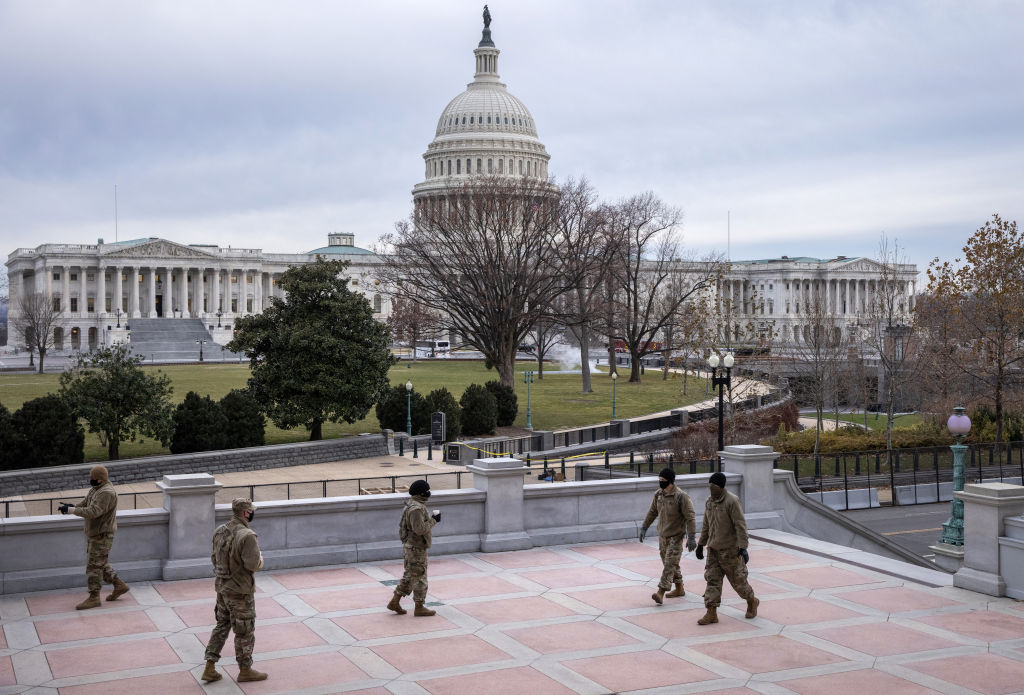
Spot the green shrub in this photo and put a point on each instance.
(856, 439)
(506, 400)
(393, 410)
(48, 433)
(245, 424)
(442, 400)
(10, 441)
(199, 425)
(479, 410)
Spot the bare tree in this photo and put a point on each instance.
(37, 316)
(484, 256)
(649, 254)
(410, 321)
(545, 334)
(943, 384)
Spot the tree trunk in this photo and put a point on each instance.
(42, 354)
(584, 338)
(634, 372)
(507, 370)
(113, 444)
(316, 430)
(540, 364)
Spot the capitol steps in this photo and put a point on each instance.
(174, 340)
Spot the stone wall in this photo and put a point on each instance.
(56, 478)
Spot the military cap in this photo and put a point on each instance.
(241, 504)
(419, 487)
(668, 474)
(717, 479)
(99, 473)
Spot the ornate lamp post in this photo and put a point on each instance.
(615, 378)
(200, 342)
(408, 408)
(219, 314)
(721, 383)
(117, 311)
(959, 425)
(528, 379)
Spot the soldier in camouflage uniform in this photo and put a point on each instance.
(724, 531)
(99, 509)
(674, 511)
(414, 530)
(235, 556)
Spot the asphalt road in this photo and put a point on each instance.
(913, 527)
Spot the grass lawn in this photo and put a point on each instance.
(876, 421)
(556, 401)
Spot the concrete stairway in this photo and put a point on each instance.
(174, 340)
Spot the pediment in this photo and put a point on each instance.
(160, 248)
(861, 265)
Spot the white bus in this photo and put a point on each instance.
(434, 348)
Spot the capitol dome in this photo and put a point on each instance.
(484, 130)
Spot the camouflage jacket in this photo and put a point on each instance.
(674, 512)
(99, 509)
(414, 529)
(235, 556)
(724, 526)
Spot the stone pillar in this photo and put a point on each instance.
(101, 292)
(115, 301)
(83, 292)
(502, 480)
(243, 292)
(151, 300)
(133, 291)
(65, 292)
(215, 290)
(183, 293)
(757, 466)
(986, 506)
(189, 499)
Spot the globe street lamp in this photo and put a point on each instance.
(200, 342)
(408, 408)
(118, 313)
(219, 314)
(721, 382)
(528, 379)
(615, 377)
(959, 425)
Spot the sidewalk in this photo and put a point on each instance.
(546, 621)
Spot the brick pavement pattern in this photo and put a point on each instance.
(559, 620)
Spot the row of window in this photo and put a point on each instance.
(526, 167)
(91, 277)
(454, 121)
(90, 304)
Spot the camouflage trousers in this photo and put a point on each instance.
(670, 549)
(725, 562)
(97, 568)
(414, 579)
(234, 612)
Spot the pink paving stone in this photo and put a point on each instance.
(616, 551)
(822, 577)
(856, 683)
(639, 670)
(65, 603)
(439, 652)
(652, 568)
(897, 599)
(320, 578)
(990, 626)
(6, 671)
(797, 611)
(3, 640)
(697, 585)
(436, 567)
(377, 625)
(986, 673)
(883, 639)
(371, 691)
(104, 658)
(348, 599)
(179, 683)
(447, 588)
(187, 590)
(621, 598)
(298, 672)
(200, 614)
(524, 558)
(683, 624)
(508, 681)
(570, 637)
(762, 557)
(274, 638)
(572, 576)
(514, 609)
(766, 654)
(90, 625)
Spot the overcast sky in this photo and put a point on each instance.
(267, 124)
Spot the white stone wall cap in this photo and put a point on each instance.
(188, 480)
(993, 491)
(498, 463)
(748, 449)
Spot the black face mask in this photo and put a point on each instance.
(426, 494)
(94, 482)
(663, 484)
(252, 514)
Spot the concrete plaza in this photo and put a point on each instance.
(562, 619)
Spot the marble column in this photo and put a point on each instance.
(65, 289)
(133, 291)
(215, 290)
(101, 291)
(115, 301)
(243, 292)
(83, 287)
(151, 301)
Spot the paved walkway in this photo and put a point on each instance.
(547, 621)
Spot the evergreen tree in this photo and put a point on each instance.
(442, 400)
(479, 410)
(49, 433)
(199, 425)
(393, 410)
(506, 400)
(10, 442)
(246, 425)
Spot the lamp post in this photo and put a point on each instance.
(528, 379)
(615, 378)
(118, 313)
(959, 425)
(200, 342)
(219, 314)
(408, 408)
(721, 383)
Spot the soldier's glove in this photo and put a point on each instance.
(64, 506)
(437, 517)
(745, 555)
(643, 533)
(700, 552)
(690, 543)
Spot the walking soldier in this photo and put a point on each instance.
(674, 511)
(414, 530)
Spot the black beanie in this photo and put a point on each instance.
(420, 487)
(668, 474)
(717, 479)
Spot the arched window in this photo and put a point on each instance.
(506, 120)
(490, 166)
(470, 119)
(488, 120)
(501, 166)
(435, 167)
(458, 166)
(479, 166)
(463, 120)
(520, 167)
(469, 166)
(377, 303)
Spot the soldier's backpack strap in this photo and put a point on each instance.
(403, 526)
